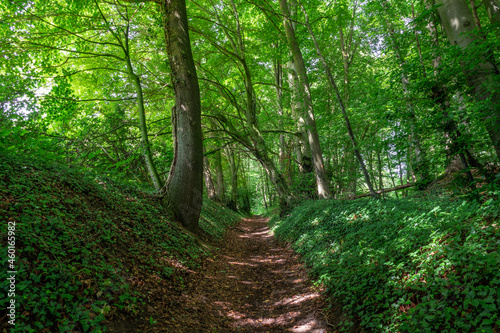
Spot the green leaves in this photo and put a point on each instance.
(403, 265)
(81, 238)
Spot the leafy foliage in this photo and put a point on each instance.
(71, 74)
(408, 265)
(85, 242)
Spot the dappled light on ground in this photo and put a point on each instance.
(273, 295)
(254, 284)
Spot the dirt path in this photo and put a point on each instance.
(254, 284)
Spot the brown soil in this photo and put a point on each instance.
(252, 284)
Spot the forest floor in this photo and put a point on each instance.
(253, 283)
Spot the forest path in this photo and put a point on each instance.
(253, 284)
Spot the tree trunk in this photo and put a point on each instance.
(391, 174)
(380, 179)
(148, 157)
(459, 23)
(263, 189)
(312, 133)
(233, 171)
(440, 97)
(370, 169)
(303, 150)
(184, 185)
(400, 165)
(493, 10)
(209, 183)
(220, 178)
(276, 178)
(278, 81)
(342, 107)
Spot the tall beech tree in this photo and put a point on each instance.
(323, 187)
(184, 186)
(331, 80)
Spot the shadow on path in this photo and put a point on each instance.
(253, 284)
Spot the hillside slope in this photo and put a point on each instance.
(89, 252)
(407, 265)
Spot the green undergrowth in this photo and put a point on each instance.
(403, 265)
(85, 243)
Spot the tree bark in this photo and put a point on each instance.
(380, 179)
(391, 173)
(264, 188)
(278, 81)
(312, 133)
(493, 10)
(400, 165)
(184, 185)
(459, 24)
(233, 171)
(254, 142)
(342, 106)
(303, 150)
(209, 183)
(148, 157)
(220, 178)
(440, 96)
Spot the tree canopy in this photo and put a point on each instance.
(297, 100)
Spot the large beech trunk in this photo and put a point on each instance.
(458, 22)
(184, 185)
(323, 188)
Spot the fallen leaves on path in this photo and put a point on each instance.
(252, 284)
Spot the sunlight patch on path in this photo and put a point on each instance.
(274, 295)
(297, 299)
(253, 284)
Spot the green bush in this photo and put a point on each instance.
(407, 265)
